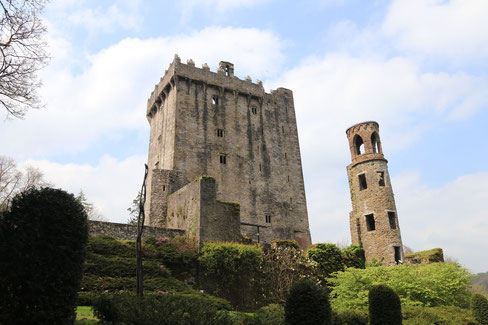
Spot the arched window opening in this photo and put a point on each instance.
(375, 143)
(227, 73)
(359, 145)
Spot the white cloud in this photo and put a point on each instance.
(220, 5)
(453, 216)
(121, 14)
(110, 185)
(454, 29)
(109, 96)
(337, 90)
(106, 19)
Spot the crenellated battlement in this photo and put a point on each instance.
(223, 79)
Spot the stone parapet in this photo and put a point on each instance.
(124, 231)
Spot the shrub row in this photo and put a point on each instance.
(162, 310)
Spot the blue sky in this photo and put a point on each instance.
(419, 68)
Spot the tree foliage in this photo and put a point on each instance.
(437, 284)
(307, 304)
(384, 306)
(42, 246)
(23, 54)
(13, 180)
(283, 265)
(232, 271)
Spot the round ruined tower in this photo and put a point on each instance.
(373, 220)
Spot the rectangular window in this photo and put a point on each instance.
(215, 100)
(362, 182)
(268, 219)
(392, 219)
(370, 226)
(288, 179)
(285, 155)
(254, 110)
(291, 200)
(282, 129)
(259, 167)
(164, 188)
(381, 178)
(220, 133)
(223, 159)
(398, 255)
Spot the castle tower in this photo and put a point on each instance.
(217, 125)
(374, 219)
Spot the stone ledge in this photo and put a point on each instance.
(125, 231)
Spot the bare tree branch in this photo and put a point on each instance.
(13, 180)
(23, 54)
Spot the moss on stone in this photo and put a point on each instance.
(429, 256)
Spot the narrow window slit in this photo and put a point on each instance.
(362, 182)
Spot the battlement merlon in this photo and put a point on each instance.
(224, 78)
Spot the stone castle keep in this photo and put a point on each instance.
(224, 157)
(374, 219)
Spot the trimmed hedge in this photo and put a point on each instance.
(162, 310)
(479, 306)
(42, 247)
(349, 317)
(384, 306)
(232, 271)
(445, 315)
(307, 304)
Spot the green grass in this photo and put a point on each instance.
(84, 315)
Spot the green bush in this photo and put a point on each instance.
(116, 266)
(384, 306)
(307, 304)
(273, 314)
(354, 257)
(349, 317)
(232, 271)
(160, 310)
(437, 284)
(43, 239)
(328, 257)
(444, 315)
(479, 306)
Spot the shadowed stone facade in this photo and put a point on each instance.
(215, 124)
(373, 220)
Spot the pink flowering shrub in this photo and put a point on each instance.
(161, 292)
(162, 240)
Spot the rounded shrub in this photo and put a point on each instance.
(306, 304)
(384, 306)
(328, 256)
(479, 306)
(43, 239)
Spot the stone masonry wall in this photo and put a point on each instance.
(195, 209)
(125, 231)
(372, 195)
(216, 116)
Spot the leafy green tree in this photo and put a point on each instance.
(479, 306)
(437, 284)
(307, 304)
(384, 306)
(232, 271)
(354, 257)
(42, 248)
(328, 257)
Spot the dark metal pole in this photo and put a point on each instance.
(140, 227)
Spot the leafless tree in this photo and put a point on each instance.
(91, 210)
(23, 53)
(13, 180)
